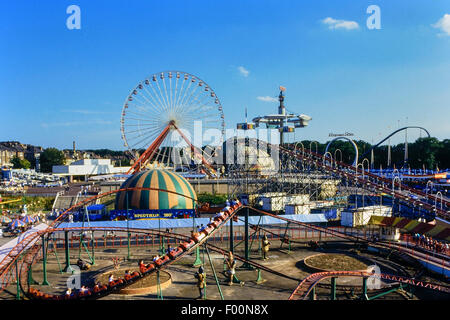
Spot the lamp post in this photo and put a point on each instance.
(128, 227)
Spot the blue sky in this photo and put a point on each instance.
(58, 85)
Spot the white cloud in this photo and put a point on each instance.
(340, 24)
(243, 71)
(443, 24)
(267, 99)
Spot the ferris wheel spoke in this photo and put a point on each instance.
(177, 100)
(166, 107)
(151, 83)
(142, 103)
(183, 102)
(202, 107)
(146, 138)
(170, 90)
(142, 130)
(155, 103)
(151, 134)
(140, 114)
(150, 104)
(169, 108)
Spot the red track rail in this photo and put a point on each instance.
(304, 288)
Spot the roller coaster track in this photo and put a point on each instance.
(305, 287)
(308, 283)
(442, 262)
(29, 242)
(195, 241)
(370, 181)
(31, 257)
(168, 260)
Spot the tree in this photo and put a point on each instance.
(20, 163)
(51, 157)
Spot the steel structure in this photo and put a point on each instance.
(322, 177)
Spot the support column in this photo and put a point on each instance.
(68, 268)
(93, 247)
(312, 294)
(17, 281)
(246, 252)
(231, 236)
(333, 288)
(30, 279)
(198, 261)
(44, 261)
(364, 295)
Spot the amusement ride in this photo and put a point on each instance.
(158, 124)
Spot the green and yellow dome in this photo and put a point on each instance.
(156, 199)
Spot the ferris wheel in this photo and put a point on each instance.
(162, 114)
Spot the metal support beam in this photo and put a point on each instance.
(246, 265)
(44, 261)
(214, 272)
(364, 295)
(333, 288)
(231, 236)
(68, 268)
(312, 294)
(17, 281)
(198, 260)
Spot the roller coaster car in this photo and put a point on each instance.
(218, 219)
(207, 230)
(147, 269)
(187, 245)
(198, 237)
(114, 284)
(162, 261)
(100, 289)
(214, 224)
(175, 253)
(84, 294)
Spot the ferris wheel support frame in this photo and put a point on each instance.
(150, 151)
(196, 152)
(148, 154)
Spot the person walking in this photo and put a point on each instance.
(265, 247)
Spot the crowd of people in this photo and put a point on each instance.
(431, 244)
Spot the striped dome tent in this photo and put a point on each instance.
(153, 199)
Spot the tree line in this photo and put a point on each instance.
(428, 153)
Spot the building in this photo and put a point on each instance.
(11, 149)
(81, 169)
